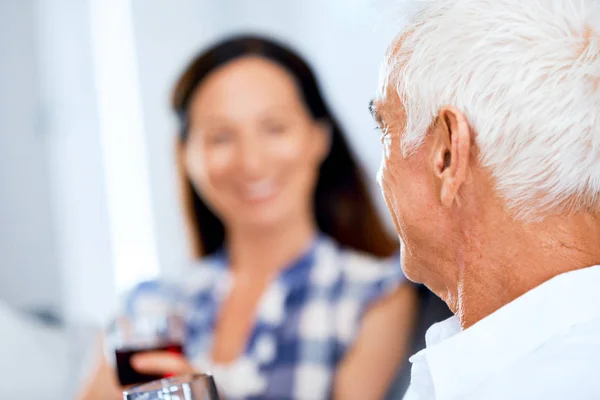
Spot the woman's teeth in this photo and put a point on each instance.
(258, 190)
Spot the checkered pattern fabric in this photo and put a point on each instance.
(306, 320)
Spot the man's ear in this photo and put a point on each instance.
(451, 153)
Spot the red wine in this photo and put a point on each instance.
(128, 375)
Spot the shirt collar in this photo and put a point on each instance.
(459, 361)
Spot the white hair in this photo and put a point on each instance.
(526, 74)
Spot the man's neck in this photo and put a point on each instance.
(505, 266)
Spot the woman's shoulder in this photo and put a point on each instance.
(152, 296)
(196, 279)
(348, 282)
(356, 268)
(203, 274)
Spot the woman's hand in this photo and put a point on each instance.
(161, 363)
(103, 385)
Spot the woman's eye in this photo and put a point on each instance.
(275, 128)
(219, 137)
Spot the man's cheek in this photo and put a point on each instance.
(390, 201)
(379, 177)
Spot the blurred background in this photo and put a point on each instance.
(89, 200)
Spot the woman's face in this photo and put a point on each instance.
(254, 150)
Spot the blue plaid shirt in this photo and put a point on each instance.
(306, 320)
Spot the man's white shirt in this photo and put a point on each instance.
(543, 345)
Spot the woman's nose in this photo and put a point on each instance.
(251, 158)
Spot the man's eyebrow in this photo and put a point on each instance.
(375, 113)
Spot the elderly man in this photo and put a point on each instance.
(490, 113)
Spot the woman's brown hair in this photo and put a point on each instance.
(342, 205)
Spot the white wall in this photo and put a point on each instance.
(75, 159)
(29, 271)
(123, 142)
(339, 37)
(166, 36)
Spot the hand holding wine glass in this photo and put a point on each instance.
(104, 385)
(148, 347)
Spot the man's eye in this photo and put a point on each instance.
(384, 133)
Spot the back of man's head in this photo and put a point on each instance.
(526, 74)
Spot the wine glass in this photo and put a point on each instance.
(187, 387)
(130, 335)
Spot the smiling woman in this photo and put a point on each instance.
(278, 93)
(293, 294)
